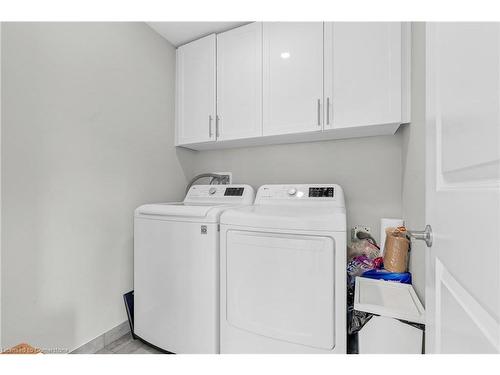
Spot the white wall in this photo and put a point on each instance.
(369, 170)
(413, 146)
(87, 136)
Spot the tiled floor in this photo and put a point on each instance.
(127, 345)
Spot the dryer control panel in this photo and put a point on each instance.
(321, 192)
(306, 193)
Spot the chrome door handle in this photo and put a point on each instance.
(422, 235)
(319, 112)
(209, 126)
(328, 111)
(217, 126)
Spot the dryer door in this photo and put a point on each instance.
(281, 286)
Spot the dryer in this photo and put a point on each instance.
(283, 279)
(176, 268)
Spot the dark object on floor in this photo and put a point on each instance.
(355, 319)
(128, 298)
(352, 344)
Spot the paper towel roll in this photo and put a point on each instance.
(387, 223)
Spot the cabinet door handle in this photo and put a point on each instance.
(328, 111)
(319, 112)
(210, 126)
(217, 126)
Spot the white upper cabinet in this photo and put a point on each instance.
(362, 74)
(293, 77)
(239, 82)
(195, 97)
(285, 82)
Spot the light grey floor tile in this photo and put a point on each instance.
(91, 347)
(122, 345)
(151, 350)
(128, 347)
(104, 351)
(141, 350)
(119, 342)
(116, 333)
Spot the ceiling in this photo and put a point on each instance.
(179, 33)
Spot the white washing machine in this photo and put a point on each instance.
(176, 268)
(283, 279)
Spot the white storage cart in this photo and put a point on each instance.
(397, 326)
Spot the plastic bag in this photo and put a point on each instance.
(377, 274)
(359, 265)
(355, 319)
(362, 247)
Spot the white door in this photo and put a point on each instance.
(362, 73)
(239, 82)
(463, 187)
(293, 77)
(195, 99)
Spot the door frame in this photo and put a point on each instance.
(1, 25)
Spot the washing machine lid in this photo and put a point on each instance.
(181, 210)
(317, 218)
(202, 203)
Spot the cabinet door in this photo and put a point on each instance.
(362, 73)
(293, 77)
(239, 82)
(195, 99)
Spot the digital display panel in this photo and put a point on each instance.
(234, 192)
(321, 192)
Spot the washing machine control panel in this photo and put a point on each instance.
(220, 194)
(234, 191)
